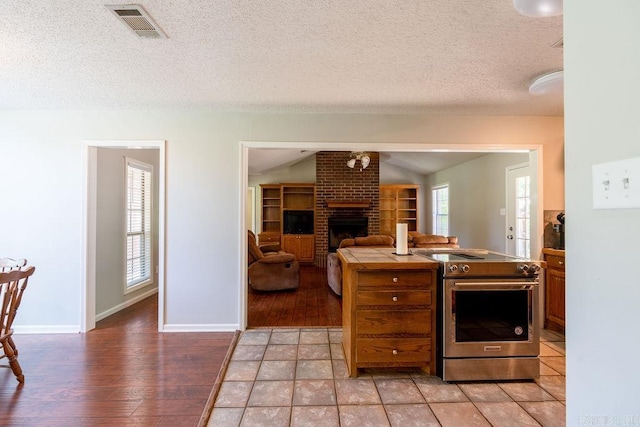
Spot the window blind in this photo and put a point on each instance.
(441, 210)
(139, 230)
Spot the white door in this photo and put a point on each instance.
(518, 223)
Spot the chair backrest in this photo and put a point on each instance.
(255, 253)
(12, 286)
(375, 240)
(8, 264)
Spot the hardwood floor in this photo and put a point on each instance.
(312, 304)
(122, 373)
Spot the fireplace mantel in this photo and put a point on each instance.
(337, 204)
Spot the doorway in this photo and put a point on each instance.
(90, 229)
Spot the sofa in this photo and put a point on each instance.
(416, 240)
(334, 269)
(271, 269)
(433, 241)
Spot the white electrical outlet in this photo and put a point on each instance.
(616, 185)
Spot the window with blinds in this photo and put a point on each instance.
(139, 231)
(440, 209)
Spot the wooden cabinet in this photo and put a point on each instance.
(554, 313)
(398, 204)
(271, 214)
(288, 218)
(298, 204)
(301, 245)
(388, 315)
(298, 197)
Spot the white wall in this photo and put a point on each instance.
(111, 225)
(427, 131)
(602, 89)
(41, 153)
(477, 192)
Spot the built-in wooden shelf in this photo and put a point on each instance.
(347, 204)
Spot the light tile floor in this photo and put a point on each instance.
(298, 377)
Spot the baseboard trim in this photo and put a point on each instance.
(46, 329)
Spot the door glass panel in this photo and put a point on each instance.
(523, 215)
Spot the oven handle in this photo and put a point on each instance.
(492, 286)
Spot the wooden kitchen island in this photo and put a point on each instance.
(388, 309)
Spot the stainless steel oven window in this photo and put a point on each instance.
(491, 315)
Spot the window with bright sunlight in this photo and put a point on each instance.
(440, 203)
(139, 230)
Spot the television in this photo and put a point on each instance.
(297, 222)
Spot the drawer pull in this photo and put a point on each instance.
(561, 262)
(395, 280)
(395, 298)
(395, 351)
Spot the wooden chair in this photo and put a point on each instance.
(8, 264)
(12, 286)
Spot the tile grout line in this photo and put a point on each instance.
(376, 384)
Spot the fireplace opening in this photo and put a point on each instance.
(346, 228)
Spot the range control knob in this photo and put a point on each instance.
(453, 268)
(534, 268)
(464, 268)
(523, 268)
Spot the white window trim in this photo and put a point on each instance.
(434, 188)
(148, 168)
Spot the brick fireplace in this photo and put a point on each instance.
(344, 192)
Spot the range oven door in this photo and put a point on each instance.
(490, 318)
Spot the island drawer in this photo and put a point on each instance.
(394, 298)
(386, 322)
(393, 278)
(390, 350)
(554, 261)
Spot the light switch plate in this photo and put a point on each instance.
(616, 185)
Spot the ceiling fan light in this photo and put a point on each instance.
(365, 160)
(538, 8)
(351, 163)
(548, 84)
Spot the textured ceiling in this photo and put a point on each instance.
(403, 56)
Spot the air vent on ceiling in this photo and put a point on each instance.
(137, 20)
(559, 43)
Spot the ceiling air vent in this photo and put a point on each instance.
(137, 20)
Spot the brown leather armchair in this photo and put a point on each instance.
(271, 271)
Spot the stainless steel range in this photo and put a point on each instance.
(489, 315)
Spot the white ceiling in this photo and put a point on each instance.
(359, 56)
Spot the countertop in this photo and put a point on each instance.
(552, 251)
(376, 258)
